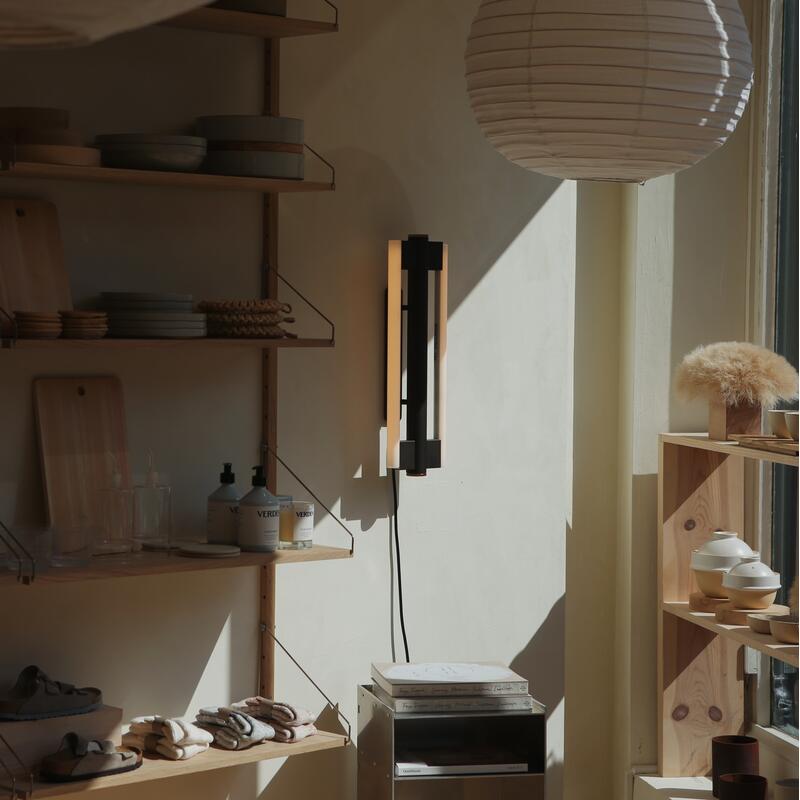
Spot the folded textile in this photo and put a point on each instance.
(234, 729)
(293, 733)
(153, 743)
(176, 731)
(284, 713)
(179, 752)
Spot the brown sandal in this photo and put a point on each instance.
(80, 759)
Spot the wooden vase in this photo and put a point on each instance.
(724, 420)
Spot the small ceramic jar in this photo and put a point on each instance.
(723, 551)
(751, 584)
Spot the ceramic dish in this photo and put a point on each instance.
(751, 584)
(202, 550)
(791, 418)
(255, 164)
(759, 623)
(713, 559)
(152, 151)
(784, 629)
(777, 424)
(274, 7)
(58, 154)
(146, 297)
(250, 128)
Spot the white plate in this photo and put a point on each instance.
(209, 550)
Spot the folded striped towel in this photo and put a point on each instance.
(234, 729)
(174, 730)
(284, 713)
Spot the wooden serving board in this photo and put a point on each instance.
(772, 444)
(32, 272)
(728, 614)
(82, 434)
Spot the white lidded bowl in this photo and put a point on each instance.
(752, 576)
(722, 551)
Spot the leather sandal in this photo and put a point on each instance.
(80, 759)
(35, 696)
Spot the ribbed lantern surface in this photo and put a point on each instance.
(622, 90)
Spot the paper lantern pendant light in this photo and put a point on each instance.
(620, 90)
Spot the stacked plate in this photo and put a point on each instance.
(84, 324)
(152, 151)
(43, 135)
(152, 315)
(257, 146)
(37, 325)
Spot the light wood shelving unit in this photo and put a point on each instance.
(701, 693)
(154, 769)
(164, 179)
(271, 29)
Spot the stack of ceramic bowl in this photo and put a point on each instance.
(152, 315)
(43, 135)
(751, 584)
(711, 562)
(84, 324)
(256, 146)
(152, 151)
(247, 319)
(37, 325)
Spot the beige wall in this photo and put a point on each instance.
(483, 539)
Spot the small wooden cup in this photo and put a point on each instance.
(732, 755)
(740, 786)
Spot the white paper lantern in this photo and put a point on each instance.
(621, 90)
(64, 23)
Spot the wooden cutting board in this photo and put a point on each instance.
(32, 272)
(82, 434)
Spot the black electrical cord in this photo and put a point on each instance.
(399, 570)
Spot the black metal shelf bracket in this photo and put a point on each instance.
(7, 321)
(20, 553)
(325, 162)
(335, 706)
(306, 301)
(265, 448)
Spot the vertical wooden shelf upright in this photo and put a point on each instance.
(700, 662)
(269, 390)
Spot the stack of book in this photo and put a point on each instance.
(453, 688)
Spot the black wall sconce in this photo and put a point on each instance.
(421, 265)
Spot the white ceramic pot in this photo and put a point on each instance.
(791, 418)
(712, 561)
(751, 584)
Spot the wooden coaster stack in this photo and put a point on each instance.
(84, 324)
(247, 319)
(37, 325)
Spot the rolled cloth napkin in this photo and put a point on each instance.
(153, 743)
(176, 731)
(293, 733)
(234, 729)
(284, 713)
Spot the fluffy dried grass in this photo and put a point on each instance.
(737, 373)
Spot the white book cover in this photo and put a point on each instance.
(437, 679)
(455, 762)
(454, 703)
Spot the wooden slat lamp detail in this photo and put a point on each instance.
(421, 261)
(739, 380)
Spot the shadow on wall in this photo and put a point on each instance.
(541, 662)
(299, 777)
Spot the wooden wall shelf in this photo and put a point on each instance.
(702, 442)
(151, 177)
(738, 633)
(264, 26)
(701, 690)
(145, 563)
(101, 344)
(153, 769)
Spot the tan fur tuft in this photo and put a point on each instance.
(737, 373)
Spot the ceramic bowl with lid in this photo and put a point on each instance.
(723, 551)
(751, 584)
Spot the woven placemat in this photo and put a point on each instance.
(244, 306)
(249, 331)
(248, 319)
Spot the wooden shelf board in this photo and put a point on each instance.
(154, 563)
(93, 344)
(264, 26)
(154, 769)
(701, 441)
(151, 177)
(787, 653)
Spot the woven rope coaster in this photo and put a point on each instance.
(244, 306)
(248, 331)
(248, 319)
